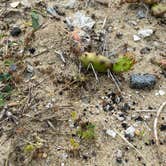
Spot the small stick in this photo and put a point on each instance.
(66, 86)
(104, 22)
(156, 121)
(95, 74)
(51, 125)
(144, 111)
(116, 79)
(61, 56)
(112, 77)
(40, 53)
(131, 145)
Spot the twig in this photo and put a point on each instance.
(40, 53)
(66, 86)
(131, 145)
(104, 22)
(61, 56)
(144, 111)
(156, 121)
(51, 125)
(95, 74)
(112, 77)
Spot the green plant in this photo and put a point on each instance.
(86, 131)
(8, 62)
(6, 88)
(35, 20)
(74, 144)
(102, 64)
(2, 102)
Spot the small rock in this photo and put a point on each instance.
(130, 131)
(121, 117)
(111, 133)
(119, 156)
(108, 107)
(119, 35)
(32, 50)
(70, 4)
(163, 127)
(141, 14)
(53, 12)
(64, 156)
(139, 118)
(146, 117)
(124, 125)
(160, 93)
(16, 31)
(30, 69)
(143, 33)
(145, 50)
(14, 4)
(13, 67)
(136, 38)
(133, 23)
(49, 105)
(125, 107)
(26, 3)
(142, 81)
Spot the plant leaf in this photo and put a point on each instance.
(5, 77)
(35, 20)
(2, 102)
(124, 63)
(29, 148)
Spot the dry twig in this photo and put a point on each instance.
(156, 121)
(131, 145)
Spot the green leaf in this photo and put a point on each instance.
(35, 20)
(8, 62)
(123, 64)
(7, 88)
(2, 102)
(29, 148)
(88, 133)
(74, 144)
(74, 115)
(5, 77)
(2, 35)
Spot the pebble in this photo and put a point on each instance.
(145, 50)
(121, 118)
(141, 14)
(125, 107)
(16, 31)
(142, 81)
(32, 50)
(160, 93)
(119, 156)
(130, 131)
(163, 127)
(14, 4)
(49, 105)
(30, 69)
(136, 38)
(111, 133)
(13, 67)
(143, 33)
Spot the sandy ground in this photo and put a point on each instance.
(43, 103)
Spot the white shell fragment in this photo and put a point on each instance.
(143, 33)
